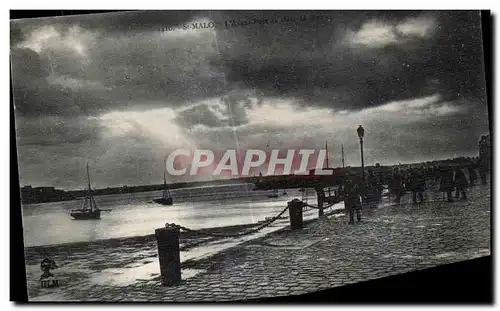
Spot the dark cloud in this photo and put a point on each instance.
(200, 114)
(229, 110)
(305, 59)
(290, 59)
(46, 131)
(438, 137)
(119, 90)
(79, 72)
(27, 66)
(113, 22)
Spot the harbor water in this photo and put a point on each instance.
(132, 214)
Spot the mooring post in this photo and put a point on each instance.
(169, 254)
(47, 279)
(295, 211)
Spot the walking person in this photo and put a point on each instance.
(460, 182)
(351, 199)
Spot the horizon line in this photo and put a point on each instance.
(243, 177)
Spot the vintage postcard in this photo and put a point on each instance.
(238, 155)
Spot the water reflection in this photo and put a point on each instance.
(132, 215)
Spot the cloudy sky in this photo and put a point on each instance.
(118, 91)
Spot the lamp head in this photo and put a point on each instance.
(361, 131)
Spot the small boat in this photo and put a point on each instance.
(89, 209)
(81, 214)
(273, 194)
(166, 199)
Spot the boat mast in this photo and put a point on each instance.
(343, 162)
(327, 166)
(165, 190)
(91, 200)
(326, 148)
(88, 176)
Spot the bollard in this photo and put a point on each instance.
(47, 279)
(169, 254)
(49, 282)
(295, 210)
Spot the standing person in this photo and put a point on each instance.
(427, 172)
(396, 185)
(446, 184)
(406, 181)
(460, 182)
(484, 158)
(472, 174)
(380, 175)
(418, 184)
(482, 172)
(436, 173)
(410, 183)
(351, 199)
(374, 190)
(320, 193)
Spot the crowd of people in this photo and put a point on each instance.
(451, 178)
(415, 180)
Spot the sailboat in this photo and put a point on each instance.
(166, 199)
(88, 209)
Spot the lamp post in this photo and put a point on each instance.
(361, 134)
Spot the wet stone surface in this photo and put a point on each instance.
(328, 253)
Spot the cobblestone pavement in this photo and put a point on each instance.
(327, 253)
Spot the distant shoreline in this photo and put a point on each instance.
(51, 194)
(38, 195)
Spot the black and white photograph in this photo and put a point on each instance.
(224, 156)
